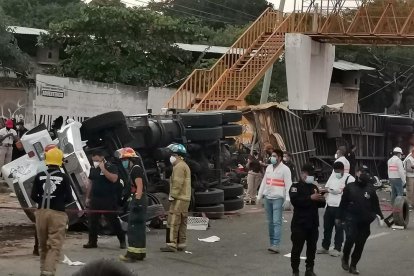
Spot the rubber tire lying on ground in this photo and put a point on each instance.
(210, 197)
(232, 190)
(233, 204)
(212, 212)
(201, 119)
(232, 130)
(231, 116)
(401, 212)
(204, 134)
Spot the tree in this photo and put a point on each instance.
(133, 46)
(213, 13)
(11, 57)
(40, 13)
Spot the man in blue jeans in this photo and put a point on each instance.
(396, 174)
(275, 191)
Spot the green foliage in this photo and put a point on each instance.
(213, 13)
(127, 45)
(40, 13)
(11, 57)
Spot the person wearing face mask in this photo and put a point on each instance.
(396, 174)
(138, 184)
(180, 196)
(340, 157)
(287, 160)
(275, 191)
(358, 209)
(306, 199)
(334, 187)
(101, 195)
(7, 137)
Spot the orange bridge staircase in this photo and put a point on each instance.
(229, 81)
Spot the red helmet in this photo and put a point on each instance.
(9, 123)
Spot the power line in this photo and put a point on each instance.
(236, 10)
(188, 13)
(385, 86)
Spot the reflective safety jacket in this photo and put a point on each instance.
(276, 182)
(396, 168)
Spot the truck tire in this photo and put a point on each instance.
(201, 119)
(231, 116)
(233, 204)
(400, 128)
(204, 134)
(232, 190)
(212, 212)
(209, 197)
(103, 121)
(232, 130)
(401, 213)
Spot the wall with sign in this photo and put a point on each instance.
(13, 103)
(79, 99)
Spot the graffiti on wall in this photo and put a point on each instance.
(13, 104)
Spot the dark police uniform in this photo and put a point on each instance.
(103, 197)
(305, 223)
(358, 209)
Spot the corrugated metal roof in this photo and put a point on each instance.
(349, 66)
(202, 48)
(26, 31)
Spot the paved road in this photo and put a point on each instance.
(241, 251)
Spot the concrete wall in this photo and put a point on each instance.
(158, 97)
(13, 103)
(308, 70)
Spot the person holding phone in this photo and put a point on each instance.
(334, 189)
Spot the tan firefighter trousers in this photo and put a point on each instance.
(177, 223)
(51, 228)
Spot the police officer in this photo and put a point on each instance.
(306, 199)
(359, 207)
(102, 195)
(51, 191)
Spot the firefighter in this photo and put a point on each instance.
(275, 191)
(180, 196)
(358, 209)
(101, 195)
(306, 199)
(136, 250)
(396, 174)
(51, 191)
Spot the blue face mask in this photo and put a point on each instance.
(310, 179)
(273, 160)
(125, 163)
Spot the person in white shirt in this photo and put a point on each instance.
(340, 157)
(7, 136)
(334, 188)
(409, 169)
(275, 191)
(396, 174)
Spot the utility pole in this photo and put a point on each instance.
(264, 97)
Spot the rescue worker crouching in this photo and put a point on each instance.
(51, 191)
(136, 250)
(358, 209)
(180, 197)
(306, 199)
(101, 195)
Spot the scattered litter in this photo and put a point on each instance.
(210, 239)
(12, 195)
(396, 227)
(290, 255)
(188, 252)
(67, 261)
(244, 233)
(235, 255)
(197, 223)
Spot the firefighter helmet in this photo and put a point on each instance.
(54, 157)
(9, 123)
(126, 153)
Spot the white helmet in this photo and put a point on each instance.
(397, 150)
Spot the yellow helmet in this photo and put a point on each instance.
(54, 156)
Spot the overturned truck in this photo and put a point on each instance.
(207, 136)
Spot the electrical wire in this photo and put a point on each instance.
(388, 84)
(236, 10)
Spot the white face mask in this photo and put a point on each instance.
(338, 175)
(172, 160)
(285, 159)
(336, 156)
(310, 179)
(96, 164)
